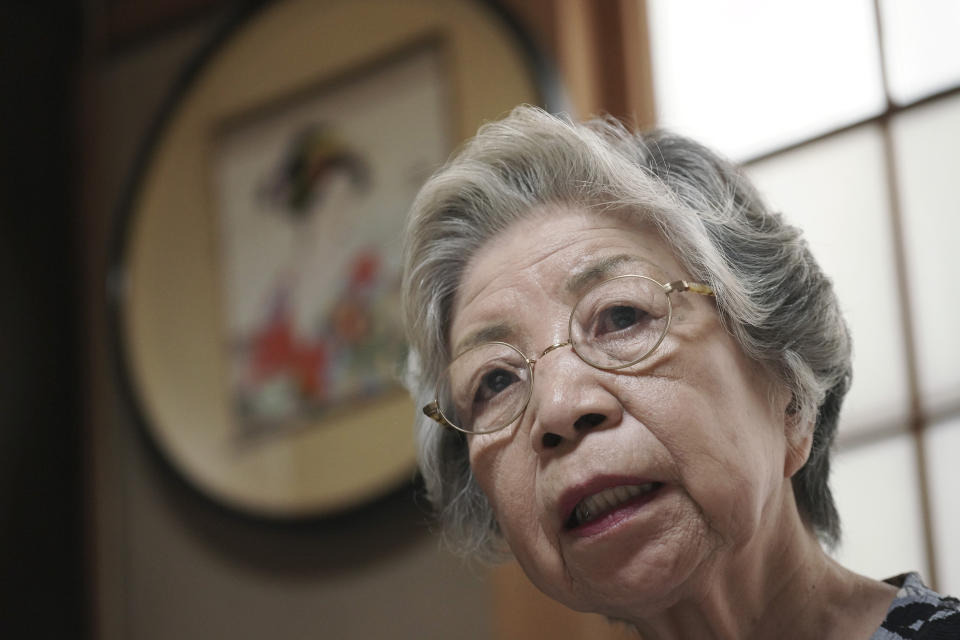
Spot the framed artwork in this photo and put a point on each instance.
(255, 275)
(311, 197)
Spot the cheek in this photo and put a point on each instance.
(506, 477)
(738, 462)
(718, 433)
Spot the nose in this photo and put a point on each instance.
(568, 400)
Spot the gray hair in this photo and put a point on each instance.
(771, 294)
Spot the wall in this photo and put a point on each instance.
(40, 516)
(167, 562)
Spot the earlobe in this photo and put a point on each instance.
(797, 432)
(798, 449)
(799, 437)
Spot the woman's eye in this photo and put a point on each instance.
(493, 383)
(619, 318)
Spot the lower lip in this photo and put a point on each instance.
(613, 518)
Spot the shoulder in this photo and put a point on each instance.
(919, 613)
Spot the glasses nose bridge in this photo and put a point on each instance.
(557, 345)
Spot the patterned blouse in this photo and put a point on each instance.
(918, 613)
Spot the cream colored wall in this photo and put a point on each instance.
(165, 563)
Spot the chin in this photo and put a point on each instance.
(629, 586)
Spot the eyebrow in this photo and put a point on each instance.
(598, 271)
(585, 277)
(499, 332)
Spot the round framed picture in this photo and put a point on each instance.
(256, 269)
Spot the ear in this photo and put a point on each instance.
(799, 437)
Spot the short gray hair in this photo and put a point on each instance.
(771, 294)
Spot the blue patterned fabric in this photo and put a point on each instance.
(918, 613)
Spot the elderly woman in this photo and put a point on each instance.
(631, 373)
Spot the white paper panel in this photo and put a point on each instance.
(927, 141)
(921, 46)
(748, 76)
(876, 491)
(942, 445)
(835, 191)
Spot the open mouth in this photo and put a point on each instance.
(596, 506)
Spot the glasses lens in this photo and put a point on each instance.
(620, 322)
(486, 388)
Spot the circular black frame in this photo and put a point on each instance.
(551, 95)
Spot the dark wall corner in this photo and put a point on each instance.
(41, 488)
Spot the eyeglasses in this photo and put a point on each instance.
(616, 324)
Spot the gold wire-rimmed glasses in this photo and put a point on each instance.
(613, 326)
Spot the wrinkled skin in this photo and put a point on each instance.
(698, 417)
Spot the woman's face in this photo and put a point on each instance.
(695, 437)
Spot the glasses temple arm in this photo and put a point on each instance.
(695, 287)
(432, 411)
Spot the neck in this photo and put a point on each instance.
(782, 585)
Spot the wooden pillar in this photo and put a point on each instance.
(602, 50)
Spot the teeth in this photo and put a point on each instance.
(599, 503)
